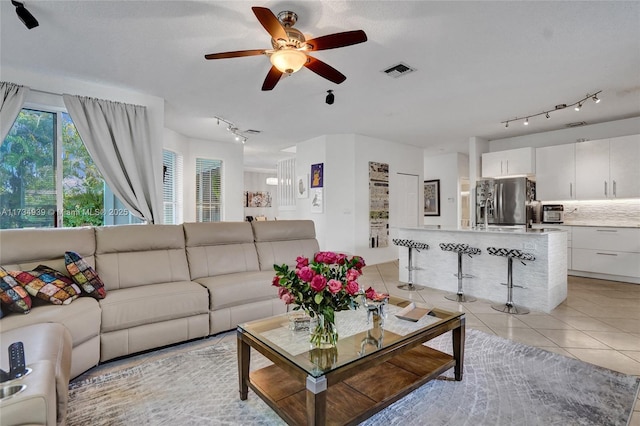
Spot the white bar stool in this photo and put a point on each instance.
(460, 249)
(411, 244)
(510, 254)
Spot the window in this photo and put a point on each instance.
(47, 178)
(208, 190)
(172, 187)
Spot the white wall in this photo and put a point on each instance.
(449, 168)
(344, 223)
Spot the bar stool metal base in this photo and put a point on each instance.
(411, 287)
(460, 298)
(510, 309)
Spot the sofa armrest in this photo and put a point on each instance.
(36, 404)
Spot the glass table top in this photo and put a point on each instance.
(358, 336)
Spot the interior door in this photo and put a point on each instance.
(408, 201)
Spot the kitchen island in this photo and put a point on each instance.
(544, 279)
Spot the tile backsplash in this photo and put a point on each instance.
(601, 212)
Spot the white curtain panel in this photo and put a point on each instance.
(117, 138)
(11, 101)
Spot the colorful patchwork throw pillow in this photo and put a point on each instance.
(12, 294)
(84, 275)
(48, 284)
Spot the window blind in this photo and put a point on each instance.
(172, 187)
(208, 190)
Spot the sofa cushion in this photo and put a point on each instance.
(24, 249)
(282, 241)
(48, 284)
(220, 248)
(140, 255)
(81, 318)
(84, 275)
(12, 294)
(238, 289)
(135, 306)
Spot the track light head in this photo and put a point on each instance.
(577, 108)
(25, 16)
(548, 116)
(596, 99)
(330, 97)
(506, 124)
(526, 121)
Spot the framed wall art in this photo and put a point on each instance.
(317, 175)
(432, 197)
(378, 204)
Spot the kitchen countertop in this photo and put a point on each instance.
(497, 230)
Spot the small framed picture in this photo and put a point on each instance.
(432, 197)
(317, 175)
(302, 186)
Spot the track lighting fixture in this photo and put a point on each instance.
(578, 105)
(330, 97)
(231, 128)
(25, 16)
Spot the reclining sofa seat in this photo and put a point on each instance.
(24, 249)
(281, 242)
(222, 258)
(151, 301)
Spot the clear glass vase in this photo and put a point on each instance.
(323, 333)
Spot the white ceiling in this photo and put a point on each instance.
(478, 63)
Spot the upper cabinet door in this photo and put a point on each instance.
(512, 162)
(624, 160)
(492, 164)
(556, 172)
(592, 170)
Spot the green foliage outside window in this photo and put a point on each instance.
(28, 187)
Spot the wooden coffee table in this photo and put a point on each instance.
(371, 368)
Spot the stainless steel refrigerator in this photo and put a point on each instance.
(505, 202)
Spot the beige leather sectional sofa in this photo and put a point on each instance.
(165, 284)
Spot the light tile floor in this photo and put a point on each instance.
(599, 322)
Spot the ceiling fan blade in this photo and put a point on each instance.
(332, 41)
(270, 22)
(273, 77)
(324, 70)
(235, 54)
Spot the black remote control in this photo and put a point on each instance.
(17, 364)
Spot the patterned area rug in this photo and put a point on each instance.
(505, 383)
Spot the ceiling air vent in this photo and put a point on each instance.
(398, 70)
(576, 124)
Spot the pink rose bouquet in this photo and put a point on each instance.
(322, 285)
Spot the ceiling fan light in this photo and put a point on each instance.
(288, 60)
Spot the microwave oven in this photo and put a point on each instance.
(552, 213)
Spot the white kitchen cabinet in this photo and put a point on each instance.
(556, 172)
(624, 166)
(592, 170)
(606, 250)
(608, 168)
(521, 161)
